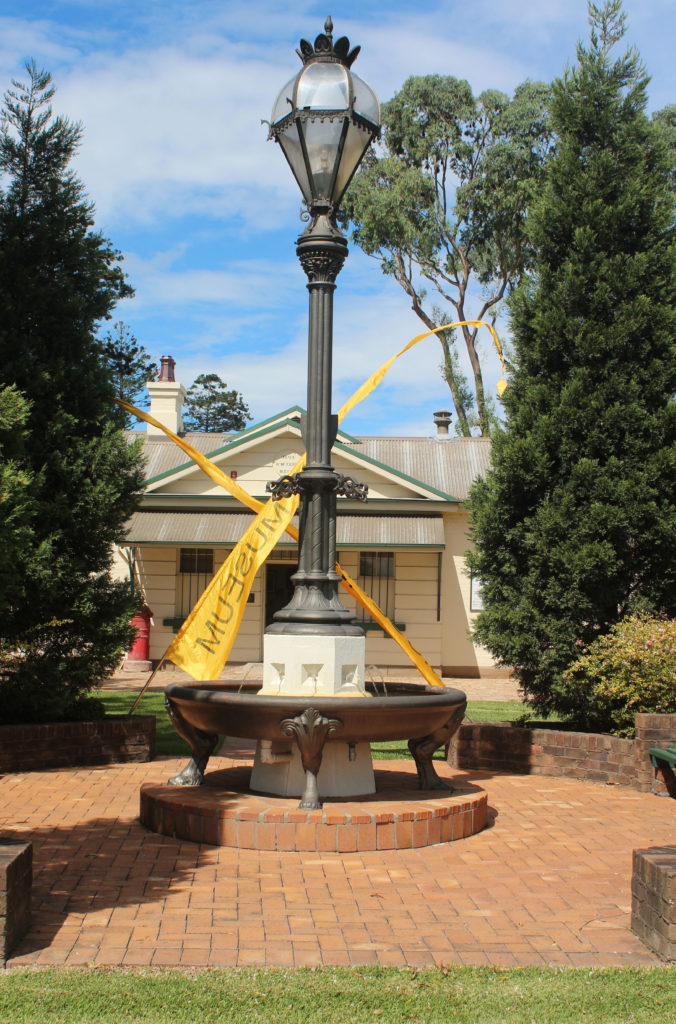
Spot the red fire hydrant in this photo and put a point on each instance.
(140, 649)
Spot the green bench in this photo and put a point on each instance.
(667, 754)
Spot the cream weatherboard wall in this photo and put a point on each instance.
(415, 607)
(158, 568)
(415, 583)
(459, 656)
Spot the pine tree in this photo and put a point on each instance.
(210, 407)
(17, 506)
(575, 526)
(130, 367)
(63, 621)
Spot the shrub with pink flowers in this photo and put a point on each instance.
(630, 669)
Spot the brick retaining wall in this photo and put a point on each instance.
(592, 756)
(116, 738)
(653, 899)
(16, 880)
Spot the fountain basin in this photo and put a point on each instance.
(407, 712)
(425, 716)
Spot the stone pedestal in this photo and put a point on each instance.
(314, 666)
(346, 770)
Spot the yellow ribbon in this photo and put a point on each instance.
(204, 641)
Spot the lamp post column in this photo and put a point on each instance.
(315, 607)
(324, 119)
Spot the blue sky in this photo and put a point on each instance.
(205, 210)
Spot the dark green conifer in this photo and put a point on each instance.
(63, 621)
(575, 526)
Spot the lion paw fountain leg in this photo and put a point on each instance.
(423, 751)
(310, 800)
(202, 745)
(311, 730)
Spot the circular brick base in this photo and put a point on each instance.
(397, 816)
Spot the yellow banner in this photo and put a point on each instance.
(375, 379)
(203, 643)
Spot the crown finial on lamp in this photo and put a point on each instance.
(326, 50)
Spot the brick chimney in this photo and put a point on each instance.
(166, 399)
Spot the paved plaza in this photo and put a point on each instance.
(547, 883)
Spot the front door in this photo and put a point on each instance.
(278, 588)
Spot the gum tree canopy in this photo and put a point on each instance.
(443, 209)
(575, 525)
(63, 621)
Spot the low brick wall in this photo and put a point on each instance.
(116, 738)
(16, 881)
(498, 746)
(656, 731)
(653, 899)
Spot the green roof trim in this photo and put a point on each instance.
(251, 434)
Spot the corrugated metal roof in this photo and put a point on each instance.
(186, 527)
(162, 455)
(390, 531)
(447, 464)
(224, 528)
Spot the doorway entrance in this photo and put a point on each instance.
(278, 588)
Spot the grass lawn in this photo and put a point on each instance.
(168, 741)
(461, 995)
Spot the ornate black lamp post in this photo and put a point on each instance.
(324, 119)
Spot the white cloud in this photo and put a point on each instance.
(244, 283)
(172, 121)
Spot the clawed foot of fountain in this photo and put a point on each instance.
(190, 776)
(310, 800)
(423, 751)
(310, 805)
(432, 781)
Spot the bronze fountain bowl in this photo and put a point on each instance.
(426, 716)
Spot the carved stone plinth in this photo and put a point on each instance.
(319, 666)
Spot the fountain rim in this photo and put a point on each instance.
(237, 693)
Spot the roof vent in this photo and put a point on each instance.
(442, 421)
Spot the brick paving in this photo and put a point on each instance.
(547, 883)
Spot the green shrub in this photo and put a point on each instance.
(630, 669)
